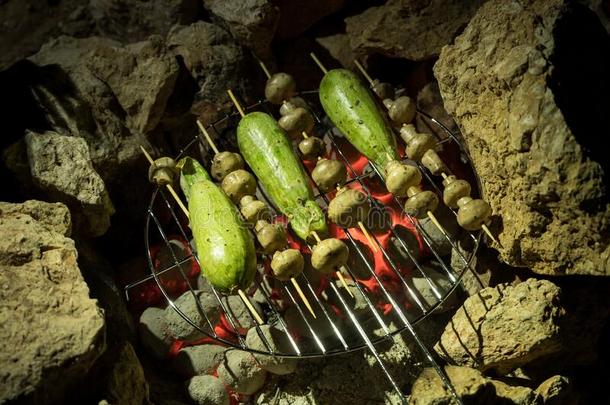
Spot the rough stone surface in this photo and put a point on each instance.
(154, 332)
(409, 29)
(126, 382)
(199, 314)
(471, 386)
(339, 47)
(278, 342)
(353, 378)
(215, 62)
(251, 22)
(207, 390)
(296, 16)
(505, 327)
(51, 331)
(241, 372)
(429, 100)
(60, 165)
(25, 26)
(54, 216)
(528, 101)
(556, 390)
(442, 285)
(447, 220)
(198, 360)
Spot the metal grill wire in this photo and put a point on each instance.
(320, 345)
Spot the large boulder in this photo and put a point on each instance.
(505, 327)
(471, 386)
(296, 16)
(530, 102)
(60, 165)
(51, 331)
(409, 29)
(251, 22)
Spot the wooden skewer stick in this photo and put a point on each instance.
(169, 187)
(338, 272)
(320, 65)
(207, 137)
(237, 105)
(175, 195)
(302, 295)
(364, 72)
(488, 232)
(251, 308)
(264, 67)
(292, 280)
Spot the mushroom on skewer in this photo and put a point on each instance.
(240, 186)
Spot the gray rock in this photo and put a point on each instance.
(429, 100)
(51, 331)
(141, 76)
(251, 22)
(471, 386)
(54, 216)
(440, 282)
(241, 372)
(198, 360)
(296, 16)
(239, 312)
(528, 136)
(215, 62)
(207, 390)
(408, 29)
(448, 221)
(278, 342)
(339, 47)
(28, 25)
(154, 332)
(505, 327)
(515, 394)
(126, 381)
(61, 166)
(556, 390)
(198, 314)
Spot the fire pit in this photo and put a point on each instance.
(396, 282)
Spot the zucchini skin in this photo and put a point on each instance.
(269, 153)
(224, 245)
(354, 111)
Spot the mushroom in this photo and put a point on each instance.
(253, 209)
(312, 147)
(162, 171)
(225, 163)
(433, 162)
(294, 102)
(402, 110)
(420, 202)
(329, 255)
(238, 184)
(296, 122)
(454, 190)
(328, 174)
(348, 208)
(473, 214)
(417, 143)
(399, 177)
(271, 237)
(280, 87)
(382, 90)
(287, 264)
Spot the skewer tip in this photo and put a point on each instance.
(235, 102)
(250, 307)
(320, 65)
(491, 236)
(364, 72)
(344, 283)
(297, 287)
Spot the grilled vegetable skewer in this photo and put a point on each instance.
(328, 173)
(271, 237)
(228, 248)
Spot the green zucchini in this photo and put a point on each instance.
(269, 153)
(353, 110)
(223, 242)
